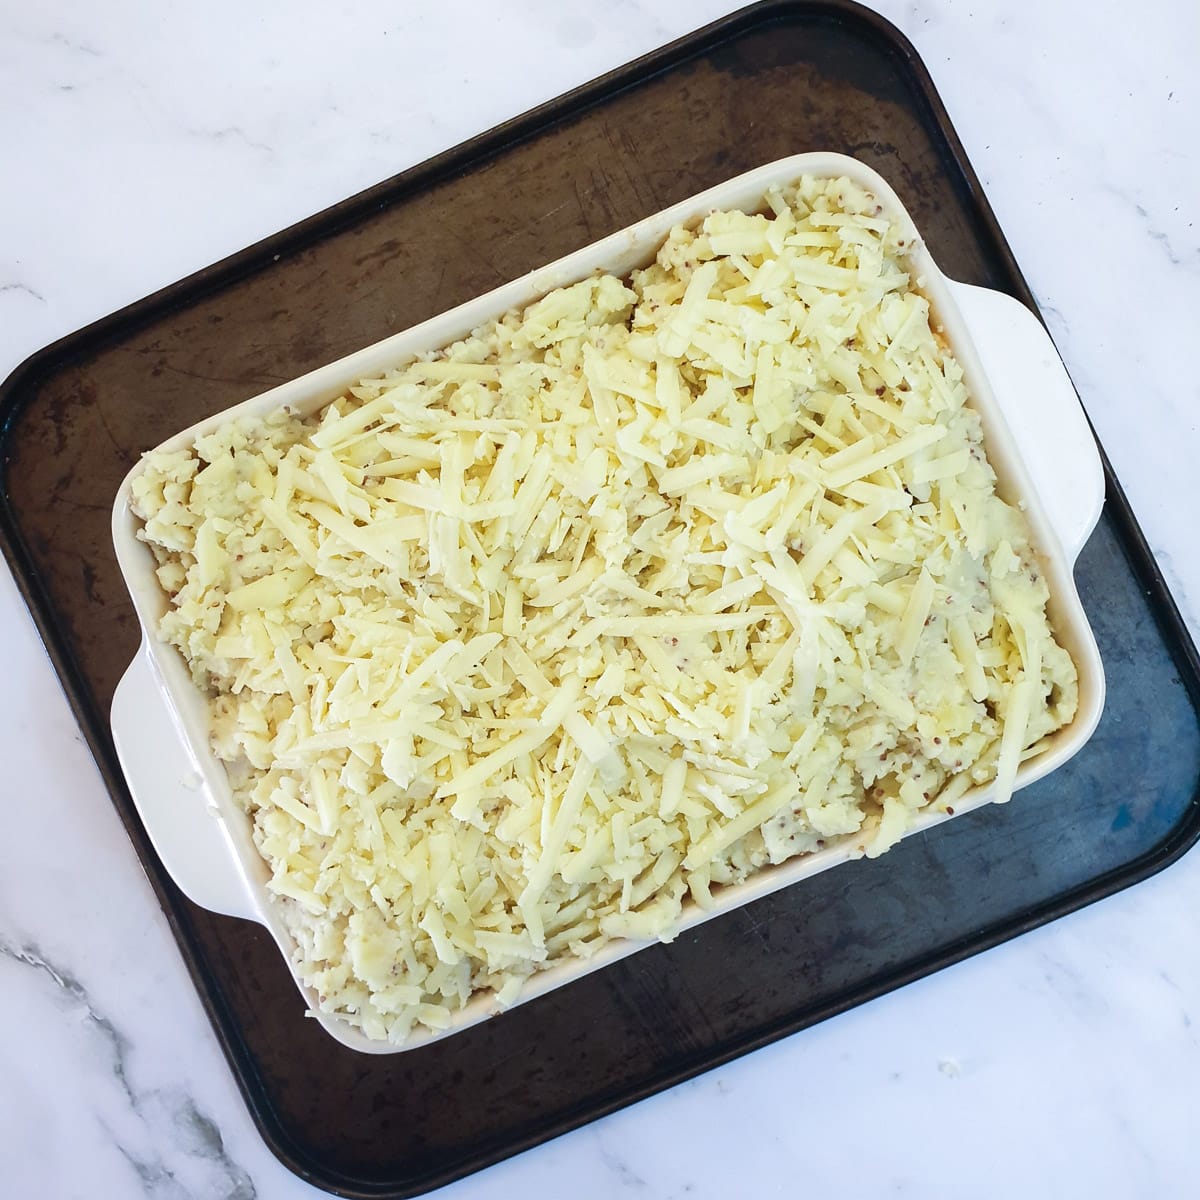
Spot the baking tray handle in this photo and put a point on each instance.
(170, 795)
(1041, 408)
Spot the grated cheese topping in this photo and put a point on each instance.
(537, 639)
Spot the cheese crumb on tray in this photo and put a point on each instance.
(542, 637)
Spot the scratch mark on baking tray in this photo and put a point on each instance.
(192, 1132)
(122, 452)
(464, 240)
(200, 375)
(602, 190)
(624, 155)
(581, 199)
(83, 504)
(755, 927)
(441, 279)
(559, 207)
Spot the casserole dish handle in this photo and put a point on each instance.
(170, 794)
(1041, 409)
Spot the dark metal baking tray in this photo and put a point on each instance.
(769, 81)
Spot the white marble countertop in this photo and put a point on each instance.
(142, 141)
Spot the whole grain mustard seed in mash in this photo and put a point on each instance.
(617, 600)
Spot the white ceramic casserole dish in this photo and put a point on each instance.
(1037, 439)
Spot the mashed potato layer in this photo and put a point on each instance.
(541, 637)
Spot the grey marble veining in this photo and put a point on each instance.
(172, 1148)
